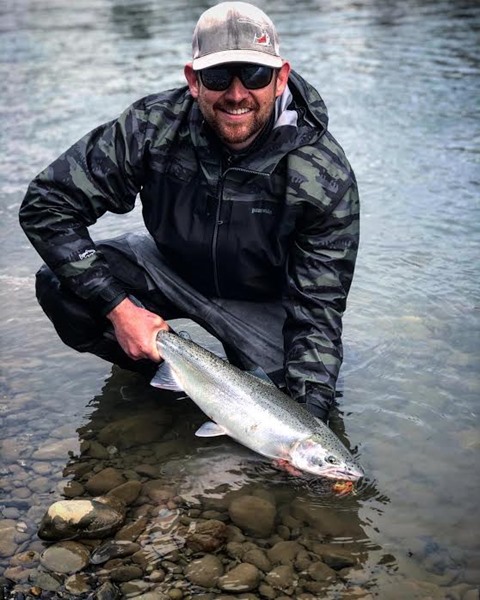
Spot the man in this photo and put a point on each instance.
(250, 205)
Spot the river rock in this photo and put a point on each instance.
(135, 430)
(107, 591)
(319, 571)
(104, 481)
(65, 557)
(125, 573)
(127, 492)
(8, 531)
(205, 571)
(68, 519)
(254, 515)
(77, 584)
(322, 518)
(257, 557)
(72, 489)
(133, 530)
(94, 449)
(284, 553)
(59, 449)
(334, 555)
(113, 549)
(242, 578)
(158, 491)
(281, 577)
(46, 581)
(207, 536)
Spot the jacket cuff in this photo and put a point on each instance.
(108, 299)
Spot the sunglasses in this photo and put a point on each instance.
(219, 79)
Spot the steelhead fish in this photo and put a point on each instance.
(252, 411)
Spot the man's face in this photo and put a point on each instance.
(238, 114)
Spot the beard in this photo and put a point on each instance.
(239, 134)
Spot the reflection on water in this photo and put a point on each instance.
(401, 83)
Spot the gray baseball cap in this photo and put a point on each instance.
(235, 32)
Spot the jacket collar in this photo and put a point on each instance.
(300, 119)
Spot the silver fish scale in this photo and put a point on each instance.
(252, 411)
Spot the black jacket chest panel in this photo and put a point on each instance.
(228, 236)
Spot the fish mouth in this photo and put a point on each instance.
(338, 474)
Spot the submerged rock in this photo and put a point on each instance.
(205, 571)
(254, 515)
(104, 481)
(242, 578)
(113, 549)
(65, 557)
(207, 536)
(69, 519)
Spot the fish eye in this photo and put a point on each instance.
(331, 460)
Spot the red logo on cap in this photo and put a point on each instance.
(263, 39)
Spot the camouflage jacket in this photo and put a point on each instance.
(281, 221)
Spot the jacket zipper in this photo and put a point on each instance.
(218, 222)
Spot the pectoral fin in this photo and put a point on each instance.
(165, 379)
(210, 429)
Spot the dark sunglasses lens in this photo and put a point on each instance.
(255, 77)
(216, 79)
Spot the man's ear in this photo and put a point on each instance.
(192, 79)
(282, 78)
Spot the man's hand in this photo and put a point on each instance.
(136, 330)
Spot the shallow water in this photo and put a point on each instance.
(401, 80)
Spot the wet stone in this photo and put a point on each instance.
(158, 491)
(258, 557)
(107, 591)
(334, 556)
(11, 513)
(104, 481)
(113, 549)
(46, 581)
(8, 546)
(126, 573)
(253, 515)
(284, 553)
(25, 559)
(135, 430)
(94, 449)
(19, 574)
(205, 571)
(321, 572)
(58, 449)
(127, 492)
(281, 577)
(77, 584)
(136, 589)
(72, 489)
(207, 536)
(67, 519)
(133, 530)
(148, 471)
(65, 557)
(242, 578)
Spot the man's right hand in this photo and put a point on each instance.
(136, 330)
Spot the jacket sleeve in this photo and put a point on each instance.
(319, 274)
(101, 172)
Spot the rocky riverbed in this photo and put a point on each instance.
(124, 527)
(131, 504)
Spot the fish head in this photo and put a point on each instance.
(311, 455)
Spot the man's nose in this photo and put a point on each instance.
(236, 91)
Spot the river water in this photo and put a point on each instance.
(401, 81)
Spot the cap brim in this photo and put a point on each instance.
(229, 56)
